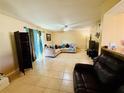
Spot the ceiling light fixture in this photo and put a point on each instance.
(66, 28)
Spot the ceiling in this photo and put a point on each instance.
(54, 14)
(117, 9)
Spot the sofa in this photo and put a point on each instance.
(106, 75)
(50, 52)
(69, 48)
(53, 51)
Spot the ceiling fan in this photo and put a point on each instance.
(75, 26)
(68, 27)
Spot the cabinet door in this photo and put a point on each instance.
(26, 51)
(23, 50)
(19, 51)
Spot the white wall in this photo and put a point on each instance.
(96, 29)
(77, 37)
(113, 30)
(8, 25)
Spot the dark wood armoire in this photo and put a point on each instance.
(24, 52)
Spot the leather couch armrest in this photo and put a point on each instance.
(83, 67)
(96, 59)
(121, 89)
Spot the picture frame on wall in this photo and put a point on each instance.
(97, 34)
(48, 37)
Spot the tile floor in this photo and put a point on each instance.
(53, 75)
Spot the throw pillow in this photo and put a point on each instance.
(45, 46)
(63, 46)
(56, 47)
(52, 47)
(71, 46)
(67, 45)
(59, 46)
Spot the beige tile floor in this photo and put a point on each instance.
(52, 75)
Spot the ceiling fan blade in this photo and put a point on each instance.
(81, 24)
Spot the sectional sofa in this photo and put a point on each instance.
(54, 51)
(50, 52)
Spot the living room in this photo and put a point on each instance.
(55, 75)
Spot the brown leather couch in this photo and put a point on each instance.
(105, 76)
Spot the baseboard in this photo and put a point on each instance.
(82, 49)
(12, 75)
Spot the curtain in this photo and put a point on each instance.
(41, 41)
(32, 43)
(31, 37)
(36, 40)
(26, 29)
(37, 44)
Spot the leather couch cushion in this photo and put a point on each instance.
(121, 89)
(79, 81)
(90, 81)
(112, 63)
(91, 91)
(105, 74)
(80, 90)
(85, 82)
